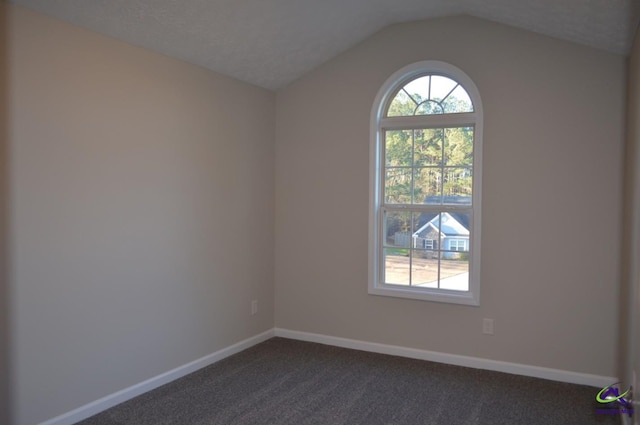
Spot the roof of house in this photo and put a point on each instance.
(453, 224)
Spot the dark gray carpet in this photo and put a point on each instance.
(287, 382)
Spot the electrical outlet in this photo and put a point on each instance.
(254, 307)
(487, 326)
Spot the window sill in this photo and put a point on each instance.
(423, 294)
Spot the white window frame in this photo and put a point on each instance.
(378, 124)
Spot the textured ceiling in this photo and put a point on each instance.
(270, 43)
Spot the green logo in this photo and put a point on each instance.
(613, 402)
(611, 394)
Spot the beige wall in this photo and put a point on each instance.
(4, 277)
(141, 200)
(553, 141)
(141, 213)
(630, 300)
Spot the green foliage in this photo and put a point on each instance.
(428, 162)
(401, 106)
(398, 251)
(397, 222)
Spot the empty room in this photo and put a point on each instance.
(319, 212)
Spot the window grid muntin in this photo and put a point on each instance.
(412, 167)
(419, 209)
(407, 81)
(423, 122)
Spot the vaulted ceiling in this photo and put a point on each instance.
(270, 43)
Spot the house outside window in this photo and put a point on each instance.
(425, 179)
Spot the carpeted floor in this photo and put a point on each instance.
(287, 382)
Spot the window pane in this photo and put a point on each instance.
(398, 148)
(401, 106)
(397, 186)
(428, 146)
(458, 183)
(419, 89)
(396, 266)
(454, 226)
(424, 268)
(454, 272)
(441, 86)
(428, 186)
(427, 231)
(397, 229)
(458, 148)
(458, 101)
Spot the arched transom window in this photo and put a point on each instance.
(428, 95)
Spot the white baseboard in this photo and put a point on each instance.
(453, 359)
(111, 400)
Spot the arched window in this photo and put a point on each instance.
(426, 158)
